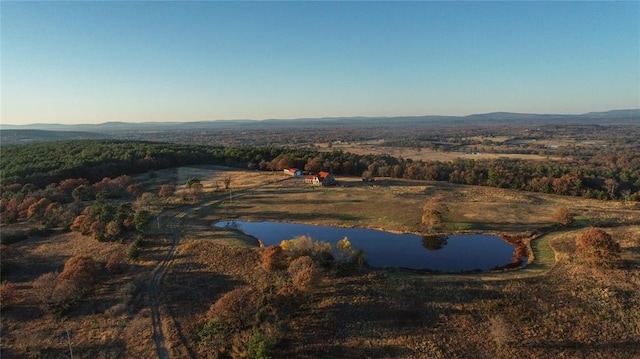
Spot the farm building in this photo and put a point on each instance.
(321, 179)
(293, 171)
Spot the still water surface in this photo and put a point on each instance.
(453, 253)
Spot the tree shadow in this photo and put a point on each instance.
(27, 267)
(358, 312)
(65, 348)
(434, 242)
(300, 217)
(629, 347)
(188, 292)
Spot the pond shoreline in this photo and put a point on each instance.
(453, 253)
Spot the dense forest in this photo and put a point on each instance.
(608, 175)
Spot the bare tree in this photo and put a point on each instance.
(227, 185)
(227, 182)
(626, 195)
(611, 186)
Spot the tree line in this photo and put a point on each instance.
(36, 166)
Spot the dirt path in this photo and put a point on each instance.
(156, 288)
(545, 260)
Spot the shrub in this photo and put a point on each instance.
(44, 287)
(272, 258)
(116, 262)
(8, 295)
(54, 294)
(166, 190)
(134, 251)
(81, 270)
(598, 248)
(306, 246)
(562, 216)
(236, 308)
(305, 279)
(213, 339)
(304, 272)
(345, 253)
(301, 263)
(82, 224)
(257, 344)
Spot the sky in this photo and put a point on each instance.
(93, 62)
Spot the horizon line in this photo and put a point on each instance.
(312, 118)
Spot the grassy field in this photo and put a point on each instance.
(555, 307)
(425, 154)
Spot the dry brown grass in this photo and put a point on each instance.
(8, 295)
(426, 154)
(549, 309)
(100, 324)
(396, 205)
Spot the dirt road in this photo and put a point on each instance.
(156, 287)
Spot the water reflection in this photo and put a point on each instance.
(520, 254)
(232, 223)
(434, 242)
(453, 253)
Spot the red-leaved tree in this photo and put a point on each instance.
(597, 247)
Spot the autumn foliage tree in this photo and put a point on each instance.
(81, 270)
(104, 222)
(344, 253)
(57, 293)
(304, 273)
(598, 248)
(273, 258)
(434, 211)
(562, 216)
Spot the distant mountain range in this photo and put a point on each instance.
(98, 130)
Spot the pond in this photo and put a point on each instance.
(453, 253)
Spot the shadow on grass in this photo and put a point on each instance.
(493, 226)
(188, 292)
(331, 349)
(298, 217)
(404, 306)
(25, 268)
(192, 289)
(283, 201)
(65, 348)
(110, 349)
(629, 347)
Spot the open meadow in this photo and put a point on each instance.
(426, 154)
(557, 306)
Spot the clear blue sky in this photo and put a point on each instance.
(93, 62)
